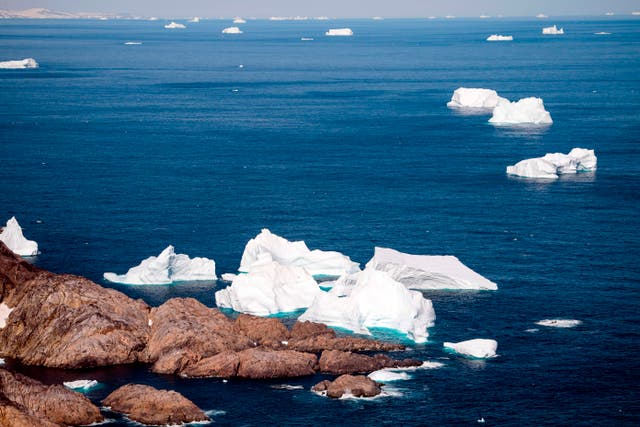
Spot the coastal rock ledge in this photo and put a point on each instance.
(354, 385)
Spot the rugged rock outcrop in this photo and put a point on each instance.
(25, 401)
(264, 331)
(357, 386)
(346, 362)
(148, 405)
(260, 363)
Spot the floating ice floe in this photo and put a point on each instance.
(12, 236)
(306, 39)
(553, 30)
(602, 33)
(339, 32)
(387, 375)
(478, 348)
(174, 25)
(238, 20)
(525, 111)
(133, 43)
(166, 268)
(316, 262)
(553, 164)
(269, 288)
(464, 97)
(80, 384)
(428, 271)
(541, 16)
(5, 311)
(195, 20)
(232, 30)
(499, 38)
(559, 323)
(19, 64)
(376, 301)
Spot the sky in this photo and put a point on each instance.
(332, 8)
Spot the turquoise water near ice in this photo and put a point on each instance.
(110, 152)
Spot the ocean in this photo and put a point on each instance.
(110, 152)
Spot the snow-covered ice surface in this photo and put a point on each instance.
(376, 301)
(559, 323)
(464, 97)
(228, 277)
(316, 262)
(19, 64)
(525, 111)
(166, 268)
(12, 236)
(232, 30)
(174, 25)
(427, 271)
(552, 30)
(80, 384)
(499, 38)
(339, 32)
(5, 311)
(478, 348)
(385, 375)
(551, 165)
(269, 288)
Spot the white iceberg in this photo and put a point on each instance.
(525, 111)
(5, 311)
(559, 323)
(228, 277)
(553, 30)
(478, 348)
(553, 164)
(232, 30)
(174, 25)
(269, 288)
(12, 236)
(166, 268)
(541, 16)
(195, 19)
(133, 43)
(316, 262)
(465, 97)
(388, 375)
(376, 301)
(238, 20)
(423, 272)
(80, 384)
(339, 32)
(499, 38)
(19, 64)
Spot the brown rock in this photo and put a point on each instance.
(148, 405)
(345, 362)
(358, 386)
(265, 331)
(388, 362)
(316, 337)
(14, 270)
(302, 330)
(27, 399)
(263, 363)
(222, 365)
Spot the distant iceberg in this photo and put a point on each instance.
(80, 385)
(477, 348)
(269, 288)
(133, 43)
(499, 38)
(174, 25)
(195, 20)
(602, 33)
(525, 111)
(376, 301)
(316, 262)
(232, 30)
(553, 164)
(423, 272)
(238, 20)
(12, 236)
(559, 323)
(552, 30)
(464, 97)
(166, 268)
(339, 32)
(541, 16)
(19, 64)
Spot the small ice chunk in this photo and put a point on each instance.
(339, 32)
(2, 362)
(464, 97)
(5, 311)
(228, 277)
(541, 16)
(478, 348)
(232, 30)
(12, 236)
(287, 387)
(552, 164)
(552, 30)
(499, 38)
(133, 43)
(387, 375)
(195, 20)
(525, 111)
(80, 384)
(238, 20)
(559, 323)
(174, 25)
(19, 64)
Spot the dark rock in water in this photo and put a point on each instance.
(357, 386)
(148, 405)
(264, 331)
(27, 399)
(222, 365)
(185, 331)
(341, 362)
(263, 363)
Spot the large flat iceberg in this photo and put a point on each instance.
(464, 97)
(232, 30)
(12, 236)
(553, 164)
(269, 288)
(499, 38)
(316, 262)
(19, 64)
(477, 348)
(174, 25)
(166, 268)
(525, 111)
(339, 32)
(553, 30)
(559, 323)
(376, 301)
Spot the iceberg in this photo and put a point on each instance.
(238, 20)
(5, 311)
(525, 111)
(232, 30)
(553, 30)
(339, 32)
(166, 268)
(316, 262)
(133, 43)
(19, 64)
(499, 38)
(269, 288)
(559, 323)
(174, 25)
(541, 16)
(424, 272)
(12, 236)
(464, 97)
(553, 164)
(80, 384)
(388, 375)
(195, 20)
(477, 348)
(376, 301)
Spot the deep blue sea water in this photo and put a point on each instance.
(111, 152)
